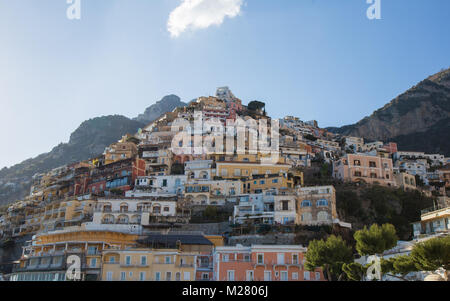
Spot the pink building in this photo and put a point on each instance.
(263, 263)
(364, 168)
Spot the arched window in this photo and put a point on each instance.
(322, 216)
(306, 217)
(306, 203)
(124, 207)
(322, 203)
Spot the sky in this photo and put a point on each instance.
(314, 59)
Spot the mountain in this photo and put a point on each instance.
(418, 120)
(166, 104)
(89, 140)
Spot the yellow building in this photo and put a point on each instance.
(148, 265)
(56, 215)
(405, 181)
(46, 258)
(261, 183)
(121, 150)
(238, 170)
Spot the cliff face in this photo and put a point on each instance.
(419, 118)
(166, 104)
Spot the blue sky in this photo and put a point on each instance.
(316, 59)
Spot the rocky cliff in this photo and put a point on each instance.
(419, 119)
(166, 104)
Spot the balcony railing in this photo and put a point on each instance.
(434, 208)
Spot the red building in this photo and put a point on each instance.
(262, 263)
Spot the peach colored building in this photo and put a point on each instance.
(263, 263)
(364, 168)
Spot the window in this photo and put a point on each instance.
(317, 276)
(168, 276)
(158, 276)
(225, 258)
(357, 163)
(143, 260)
(306, 275)
(187, 276)
(205, 276)
(280, 258)
(322, 216)
(164, 183)
(294, 258)
(306, 203)
(306, 217)
(93, 262)
(230, 275)
(294, 276)
(109, 276)
(260, 258)
(123, 276)
(372, 164)
(358, 174)
(112, 259)
(275, 181)
(167, 260)
(249, 276)
(285, 205)
(322, 203)
(267, 276)
(142, 276)
(284, 276)
(128, 260)
(237, 172)
(178, 276)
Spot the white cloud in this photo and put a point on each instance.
(200, 14)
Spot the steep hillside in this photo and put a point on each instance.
(88, 141)
(418, 119)
(166, 104)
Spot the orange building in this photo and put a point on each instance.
(364, 168)
(263, 263)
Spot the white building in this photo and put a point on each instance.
(172, 184)
(129, 211)
(199, 170)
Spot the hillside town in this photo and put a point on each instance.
(155, 206)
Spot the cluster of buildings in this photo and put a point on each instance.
(105, 255)
(114, 211)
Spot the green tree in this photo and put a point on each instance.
(354, 271)
(376, 239)
(330, 255)
(210, 213)
(399, 266)
(432, 254)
